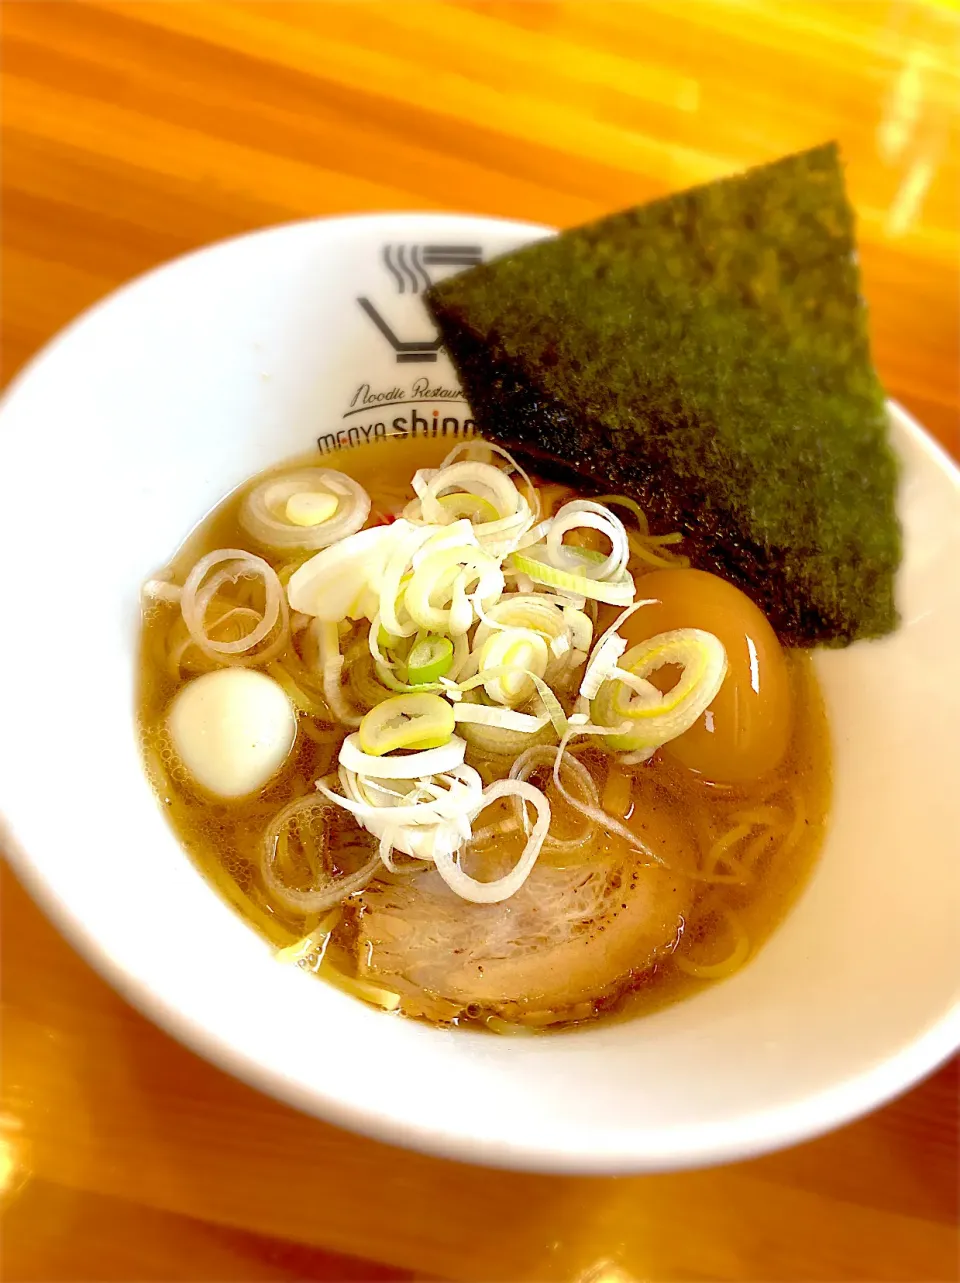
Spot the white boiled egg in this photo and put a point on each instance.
(232, 729)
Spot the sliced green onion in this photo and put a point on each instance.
(472, 506)
(564, 629)
(430, 658)
(523, 653)
(553, 710)
(304, 509)
(419, 721)
(589, 556)
(406, 766)
(606, 655)
(504, 719)
(388, 679)
(442, 576)
(389, 641)
(614, 594)
(331, 667)
(496, 451)
(627, 698)
(474, 479)
(393, 579)
(310, 507)
(335, 583)
(552, 706)
(502, 888)
(585, 514)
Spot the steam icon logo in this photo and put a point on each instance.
(408, 264)
(406, 268)
(409, 268)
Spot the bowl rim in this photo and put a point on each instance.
(695, 1146)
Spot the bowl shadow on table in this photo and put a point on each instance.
(114, 1111)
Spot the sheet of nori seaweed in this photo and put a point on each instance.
(708, 354)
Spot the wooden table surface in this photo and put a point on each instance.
(135, 132)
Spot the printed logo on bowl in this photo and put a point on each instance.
(386, 395)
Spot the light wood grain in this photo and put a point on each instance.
(135, 132)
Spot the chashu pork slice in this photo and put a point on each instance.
(569, 937)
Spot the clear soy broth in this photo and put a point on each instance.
(772, 827)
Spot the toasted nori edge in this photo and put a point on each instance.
(708, 354)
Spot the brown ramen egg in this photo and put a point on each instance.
(745, 731)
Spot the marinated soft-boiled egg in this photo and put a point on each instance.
(232, 730)
(744, 732)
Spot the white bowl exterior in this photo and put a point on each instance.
(136, 421)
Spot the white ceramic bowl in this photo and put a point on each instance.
(124, 432)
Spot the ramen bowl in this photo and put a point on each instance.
(313, 337)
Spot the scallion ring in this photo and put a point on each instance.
(430, 658)
(419, 721)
